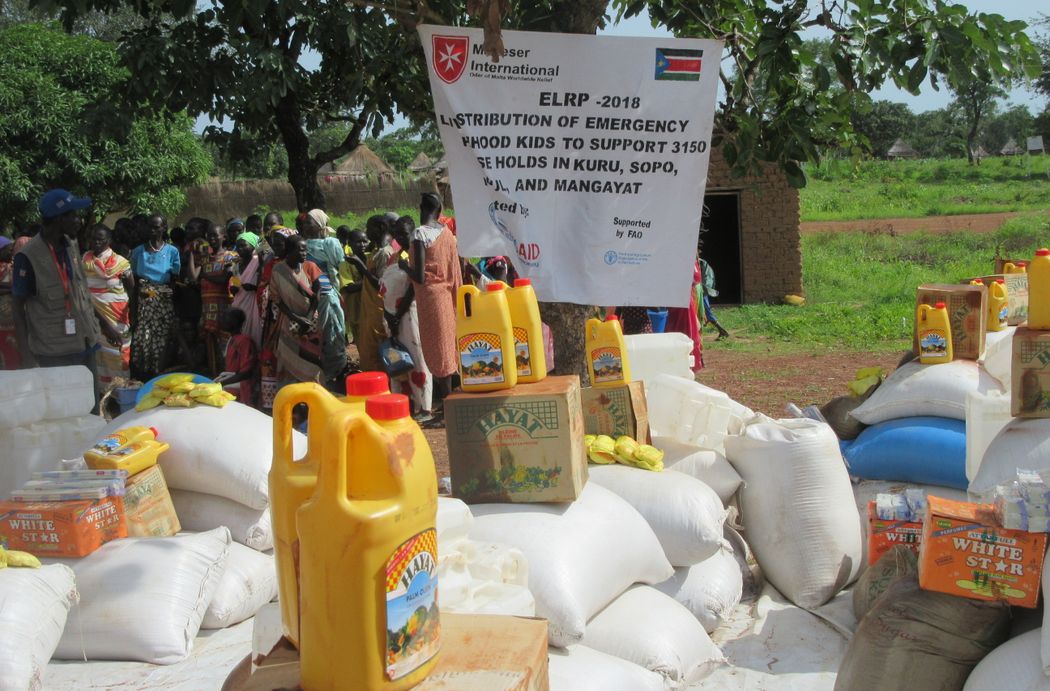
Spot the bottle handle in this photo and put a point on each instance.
(317, 399)
(465, 306)
(332, 474)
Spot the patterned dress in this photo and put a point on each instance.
(105, 274)
(436, 298)
(215, 297)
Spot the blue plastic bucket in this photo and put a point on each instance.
(657, 320)
(125, 398)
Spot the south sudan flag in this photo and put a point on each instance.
(678, 64)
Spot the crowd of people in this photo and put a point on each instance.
(254, 303)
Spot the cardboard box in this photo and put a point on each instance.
(616, 411)
(479, 652)
(884, 535)
(1030, 373)
(965, 553)
(148, 506)
(517, 445)
(62, 528)
(1016, 295)
(967, 311)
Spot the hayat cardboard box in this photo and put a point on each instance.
(62, 528)
(884, 535)
(967, 310)
(1030, 373)
(616, 411)
(1016, 295)
(148, 507)
(523, 444)
(965, 553)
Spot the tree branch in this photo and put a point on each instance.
(351, 142)
(422, 13)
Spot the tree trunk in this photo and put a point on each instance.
(302, 171)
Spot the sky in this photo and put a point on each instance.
(928, 99)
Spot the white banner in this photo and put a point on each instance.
(583, 158)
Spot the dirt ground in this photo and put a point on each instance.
(976, 223)
(764, 383)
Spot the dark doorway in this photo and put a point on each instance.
(720, 245)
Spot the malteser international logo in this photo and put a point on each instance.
(450, 56)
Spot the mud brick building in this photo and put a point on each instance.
(752, 240)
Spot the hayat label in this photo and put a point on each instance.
(933, 344)
(481, 359)
(521, 351)
(413, 626)
(606, 365)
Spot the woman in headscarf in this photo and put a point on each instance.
(325, 251)
(685, 320)
(9, 356)
(245, 299)
(110, 281)
(435, 271)
(269, 316)
(293, 290)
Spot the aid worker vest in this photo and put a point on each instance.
(47, 310)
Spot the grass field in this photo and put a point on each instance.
(860, 287)
(837, 191)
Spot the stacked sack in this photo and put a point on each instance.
(44, 418)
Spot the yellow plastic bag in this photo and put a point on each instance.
(216, 400)
(865, 378)
(602, 450)
(625, 448)
(178, 400)
(648, 458)
(202, 390)
(184, 387)
(148, 402)
(172, 380)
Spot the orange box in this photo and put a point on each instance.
(964, 552)
(62, 528)
(885, 535)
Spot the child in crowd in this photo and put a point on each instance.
(240, 358)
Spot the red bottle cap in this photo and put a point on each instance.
(1023, 264)
(999, 281)
(367, 384)
(494, 286)
(1042, 252)
(978, 280)
(388, 406)
(612, 318)
(155, 432)
(939, 306)
(519, 282)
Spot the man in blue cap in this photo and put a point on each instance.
(55, 322)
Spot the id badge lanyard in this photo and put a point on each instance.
(63, 276)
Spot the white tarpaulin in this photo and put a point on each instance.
(582, 157)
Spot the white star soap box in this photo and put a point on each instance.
(965, 552)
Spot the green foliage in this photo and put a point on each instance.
(779, 106)
(400, 147)
(860, 288)
(883, 123)
(64, 123)
(842, 191)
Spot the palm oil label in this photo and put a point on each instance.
(933, 344)
(481, 359)
(413, 626)
(521, 351)
(606, 365)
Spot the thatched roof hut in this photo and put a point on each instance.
(421, 164)
(1010, 148)
(361, 162)
(901, 149)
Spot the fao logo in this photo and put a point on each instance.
(611, 257)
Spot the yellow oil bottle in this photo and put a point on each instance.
(485, 339)
(998, 305)
(935, 334)
(528, 331)
(1018, 268)
(292, 482)
(133, 449)
(606, 353)
(368, 554)
(363, 385)
(1039, 291)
